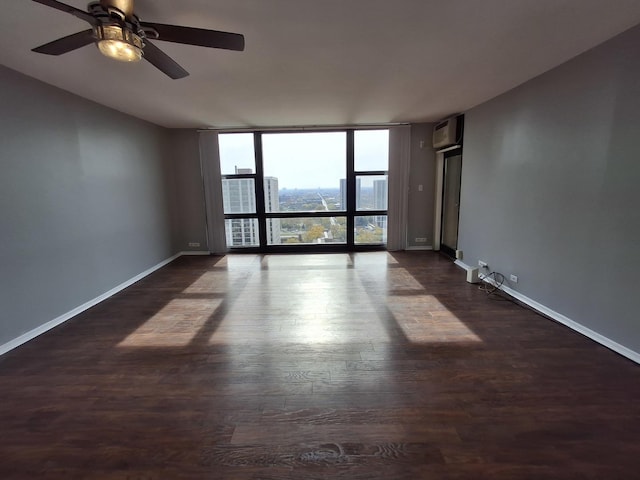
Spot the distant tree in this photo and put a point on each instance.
(339, 232)
(362, 221)
(308, 207)
(313, 233)
(366, 235)
(288, 224)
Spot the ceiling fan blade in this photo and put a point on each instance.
(66, 44)
(162, 61)
(197, 36)
(81, 14)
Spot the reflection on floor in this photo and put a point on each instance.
(360, 366)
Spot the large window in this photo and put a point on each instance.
(371, 163)
(319, 189)
(237, 166)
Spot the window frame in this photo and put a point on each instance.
(350, 212)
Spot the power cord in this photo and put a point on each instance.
(494, 290)
(491, 288)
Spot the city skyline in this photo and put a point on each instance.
(239, 197)
(305, 160)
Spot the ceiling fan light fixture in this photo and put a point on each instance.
(118, 43)
(119, 34)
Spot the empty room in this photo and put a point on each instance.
(361, 239)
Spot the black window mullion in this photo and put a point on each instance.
(241, 175)
(314, 214)
(260, 206)
(371, 172)
(351, 188)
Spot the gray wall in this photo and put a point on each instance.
(84, 194)
(187, 202)
(422, 172)
(551, 188)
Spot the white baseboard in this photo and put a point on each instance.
(427, 247)
(31, 334)
(194, 252)
(462, 265)
(560, 318)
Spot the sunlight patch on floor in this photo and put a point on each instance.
(211, 282)
(401, 279)
(310, 307)
(238, 262)
(307, 261)
(175, 325)
(424, 319)
(373, 259)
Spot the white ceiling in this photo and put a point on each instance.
(320, 62)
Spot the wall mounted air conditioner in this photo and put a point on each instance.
(448, 132)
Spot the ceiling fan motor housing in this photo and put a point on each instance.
(118, 35)
(124, 6)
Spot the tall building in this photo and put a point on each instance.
(380, 200)
(238, 196)
(380, 194)
(272, 204)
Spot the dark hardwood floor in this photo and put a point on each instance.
(354, 366)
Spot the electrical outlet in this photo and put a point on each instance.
(513, 278)
(421, 239)
(482, 264)
(194, 244)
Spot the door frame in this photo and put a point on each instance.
(437, 216)
(438, 203)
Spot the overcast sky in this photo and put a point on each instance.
(305, 160)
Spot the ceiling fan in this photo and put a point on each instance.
(119, 34)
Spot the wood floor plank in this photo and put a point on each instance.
(349, 366)
(338, 434)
